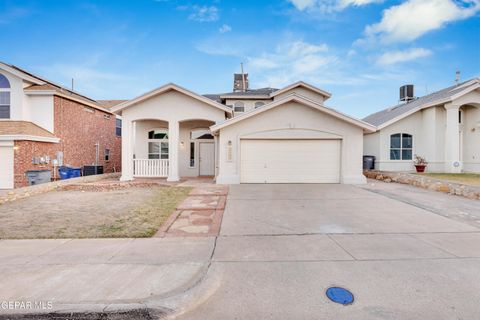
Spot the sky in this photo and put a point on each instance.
(361, 51)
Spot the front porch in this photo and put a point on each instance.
(162, 149)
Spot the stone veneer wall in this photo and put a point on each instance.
(426, 182)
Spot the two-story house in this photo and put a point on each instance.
(44, 125)
(265, 135)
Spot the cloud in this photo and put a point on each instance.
(413, 18)
(393, 57)
(225, 28)
(87, 76)
(328, 6)
(204, 13)
(291, 61)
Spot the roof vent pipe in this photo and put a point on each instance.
(457, 77)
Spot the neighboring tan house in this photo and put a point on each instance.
(245, 136)
(43, 124)
(443, 127)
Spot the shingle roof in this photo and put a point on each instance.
(391, 113)
(214, 97)
(110, 103)
(12, 127)
(251, 92)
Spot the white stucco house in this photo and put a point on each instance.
(246, 136)
(443, 127)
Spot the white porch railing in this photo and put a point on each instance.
(150, 168)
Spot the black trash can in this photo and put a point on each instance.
(368, 162)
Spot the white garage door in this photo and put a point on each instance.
(290, 161)
(6, 167)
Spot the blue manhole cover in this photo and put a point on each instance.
(340, 295)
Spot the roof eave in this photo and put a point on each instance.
(324, 93)
(21, 74)
(16, 137)
(165, 88)
(301, 99)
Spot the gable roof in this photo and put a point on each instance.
(41, 85)
(393, 114)
(110, 103)
(304, 85)
(165, 88)
(25, 130)
(302, 100)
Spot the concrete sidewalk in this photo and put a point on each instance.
(101, 274)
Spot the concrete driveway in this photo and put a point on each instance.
(282, 246)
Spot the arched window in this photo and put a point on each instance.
(201, 133)
(259, 104)
(4, 97)
(158, 144)
(401, 146)
(239, 106)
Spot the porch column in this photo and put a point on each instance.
(173, 138)
(452, 140)
(127, 150)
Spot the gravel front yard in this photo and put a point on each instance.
(465, 178)
(133, 212)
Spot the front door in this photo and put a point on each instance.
(207, 158)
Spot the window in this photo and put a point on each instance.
(401, 145)
(192, 154)
(118, 127)
(158, 144)
(4, 97)
(239, 106)
(158, 150)
(107, 154)
(158, 134)
(201, 133)
(259, 104)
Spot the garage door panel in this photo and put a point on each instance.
(290, 161)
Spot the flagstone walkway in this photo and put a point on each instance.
(198, 215)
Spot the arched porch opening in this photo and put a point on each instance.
(173, 149)
(197, 154)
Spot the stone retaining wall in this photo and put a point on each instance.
(426, 182)
(20, 193)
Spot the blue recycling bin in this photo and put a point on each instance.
(75, 172)
(64, 172)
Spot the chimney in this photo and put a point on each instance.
(457, 77)
(407, 93)
(240, 81)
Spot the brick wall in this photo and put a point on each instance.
(79, 127)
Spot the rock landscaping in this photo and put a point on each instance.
(425, 182)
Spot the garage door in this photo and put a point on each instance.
(290, 161)
(6, 167)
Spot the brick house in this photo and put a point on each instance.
(43, 125)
